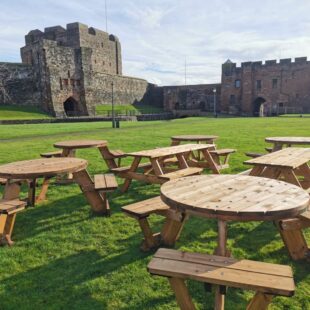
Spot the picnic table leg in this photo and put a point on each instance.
(209, 159)
(45, 185)
(182, 295)
(172, 227)
(222, 251)
(293, 237)
(175, 142)
(256, 171)
(97, 201)
(260, 301)
(182, 161)
(290, 177)
(67, 178)
(7, 221)
(32, 192)
(109, 160)
(304, 171)
(277, 147)
(133, 168)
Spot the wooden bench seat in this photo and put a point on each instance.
(268, 149)
(143, 209)
(105, 182)
(181, 173)
(266, 279)
(127, 168)
(223, 153)
(117, 153)
(51, 154)
(8, 211)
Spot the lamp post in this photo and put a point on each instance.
(214, 102)
(113, 113)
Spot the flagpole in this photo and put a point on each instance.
(106, 16)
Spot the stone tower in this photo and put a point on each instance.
(64, 62)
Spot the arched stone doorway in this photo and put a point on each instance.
(71, 107)
(258, 106)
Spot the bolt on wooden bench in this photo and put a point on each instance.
(143, 209)
(8, 210)
(267, 280)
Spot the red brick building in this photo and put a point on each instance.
(268, 89)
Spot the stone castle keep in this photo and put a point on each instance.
(67, 72)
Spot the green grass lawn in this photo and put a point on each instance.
(65, 258)
(127, 109)
(21, 112)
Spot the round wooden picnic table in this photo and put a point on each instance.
(193, 138)
(79, 144)
(37, 168)
(234, 197)
(47, 168)
(279, 142)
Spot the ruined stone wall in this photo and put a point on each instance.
(126, 90)
(18, 85)
(279, 86)
(189, 97)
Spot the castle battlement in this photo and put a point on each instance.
(74, 35)
(268, 63)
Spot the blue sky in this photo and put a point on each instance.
(157, 35)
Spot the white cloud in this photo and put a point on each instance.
(157, 35)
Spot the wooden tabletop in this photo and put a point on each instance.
(80, 144)
(194, 137)
(170, 150)
(291, 157)
(29, 169)
(235, 197)
(289, 140)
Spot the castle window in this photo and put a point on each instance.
(237, 83)
(66, 82)
(102, 45)
(68, 74)
(72, 82)
(78, 82)
(103, 63)
(274, 83)
(60, 84)
(281, 104)
(95, 61)
(232, 100)
(110, 64)
(258, 84)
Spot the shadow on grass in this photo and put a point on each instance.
(63, 281)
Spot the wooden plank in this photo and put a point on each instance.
(11, 206)
(180, 173)
(256, 279)
(146, 207)
(227, 262)
(171, 150)
(289, 157)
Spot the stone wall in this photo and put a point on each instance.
(191, 97)
(18, 85)
(276, 86)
